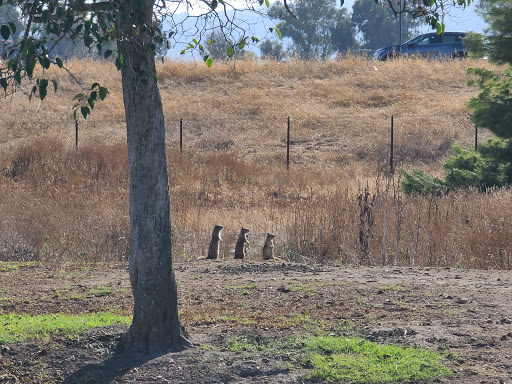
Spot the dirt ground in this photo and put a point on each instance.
(467, 313)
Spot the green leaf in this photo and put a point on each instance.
(209, 62)
(85, 111)
(230, 51)
(103, 93)
(74, 114)
(79, 96)
(440, 27)
(17, 77)
(276, 30)
(43, 85)
(5, 32)
(267, 3)
(59, 62)
(3, 84)
(54, 85)
(91, 102)
(29, 66)
(214, 4)
(94, 85)
(342, 2)
(44, 61)
(107, 53)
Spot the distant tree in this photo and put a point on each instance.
(223, 48)
(491, 165)
(343, 35)
(271, 50)
(309, 26)
(378, 25)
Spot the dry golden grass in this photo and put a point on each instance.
(63, 204)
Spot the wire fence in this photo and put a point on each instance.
(389, 141)
(385, 140)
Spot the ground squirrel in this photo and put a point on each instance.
(242, 243)
(213, 249)
(268, 248)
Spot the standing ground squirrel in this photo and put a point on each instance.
(268, 248)
(213, 249)
(242, 243)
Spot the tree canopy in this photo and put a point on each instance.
(309, 25)
(379, 26)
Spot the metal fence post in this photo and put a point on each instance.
(181, 135)
(391, 151)
(288, 145)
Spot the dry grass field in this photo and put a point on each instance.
(336, 203)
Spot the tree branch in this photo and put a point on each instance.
(289, 10)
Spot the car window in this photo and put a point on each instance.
(429, 39)
(450, 39)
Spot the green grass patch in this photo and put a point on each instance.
(347, 360)
(101, 291)
(244, 289)
(6, 266)
(355, 360)
(19, 328)
(309, 288)
(242, 345)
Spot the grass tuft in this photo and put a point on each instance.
(19, 328)
(354, 360)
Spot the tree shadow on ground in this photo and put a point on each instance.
(115, 366)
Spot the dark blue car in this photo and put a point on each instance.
(432, 45)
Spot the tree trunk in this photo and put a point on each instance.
(156, 326)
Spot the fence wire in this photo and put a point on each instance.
(416, 140)
(385, 140)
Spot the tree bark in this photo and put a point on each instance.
(156, 326)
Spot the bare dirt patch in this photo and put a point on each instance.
(465, 313)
